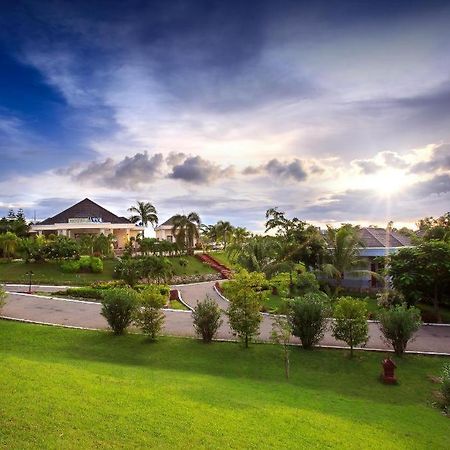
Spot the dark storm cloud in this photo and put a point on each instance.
(195, 169)
(134, 170)
(440, 160)
(280, 169)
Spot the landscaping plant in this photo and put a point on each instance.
(2, 297)
(398, 325)
(445, 388)
(118, 307)
(281, 334)
(149, 317)
(350, 323)
(308, 317)
(207, 319)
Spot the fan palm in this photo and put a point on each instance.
(185, 229)
(143, 214)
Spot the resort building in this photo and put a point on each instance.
(87, 217)
(378, 242)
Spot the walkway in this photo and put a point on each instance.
(430, 338)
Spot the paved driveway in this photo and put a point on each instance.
(179, 323)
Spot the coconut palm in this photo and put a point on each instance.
(240, 235)
(224, 230)
(143, 214)
(186, 230)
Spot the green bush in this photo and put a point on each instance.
(350, 322)
(96, 264)
(149, 316)
(445, 388)
(207, 320)
(129, 270)
(72, 266)
(83, 292)
(308, 317)
(119, 306)
(398, 325)
(2, 297)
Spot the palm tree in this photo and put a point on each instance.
(343, 253)
(8, 244)
(185, 230)
(240, 235)
(224, 230)
(143, 214)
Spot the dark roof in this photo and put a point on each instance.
(85, 208)
(379, 237)
(167, 222)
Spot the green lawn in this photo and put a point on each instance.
(222, 257)
(50, 272)
(65, 388)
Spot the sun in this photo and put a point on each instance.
(389, 181)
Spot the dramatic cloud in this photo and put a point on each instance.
(439, 160)
(367, 166)
(135, 170)
(289, 170)
(195, 169)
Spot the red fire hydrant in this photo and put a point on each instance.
(388, 375)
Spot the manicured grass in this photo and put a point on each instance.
(51, 273)
(222, 257)
(65, 388)
(176, 304)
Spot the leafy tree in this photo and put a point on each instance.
(156, 268)
(438, 228)
(143, 213)
(15, 223)
(281, 334)
(422, 273)
(246, 293)
(9, 243)
(308, 317)
(129, 270)
(207, 319)
(61, 247)
(186, 230)
(148, 316)
(350, 323)
(398, 325)
(119, 306)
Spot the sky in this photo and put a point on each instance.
(332, 111)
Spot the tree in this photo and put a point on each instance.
(246, 294)
(224, 231)
(8, 244)
(350, 322)
(281, 334)
(207, 319)
(438, 228)
(185, 229)
(308, 317)
(398, 325)
(130, 270)
(149, 317)
(343, 253)
(143, 213)
(118, 307)
(422, 273)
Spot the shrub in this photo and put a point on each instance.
(207, 320)
(129, 270)
(61, 247)
(388, 298)
(445, 388)
(350, 323)
(70, 266)
(281, 334)
(85, 263)
(2, 297)
(83, 292)
(308, 317)
(183, 262)
(398, 325)
(118, 307)
(96, 265)
(149, 316)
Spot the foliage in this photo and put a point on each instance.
(186, 230)
(445, 388)
(83, 292)
(71, 266)
(281, 334)
(128, 270)
(156, 268)
(308, 317)
(96, 264)
(61, 247)
(350, 324)
(422, 273)
(398, 325)
(85, 264)
(207, 319)
(100, 244)
(15, 223)
(149, 317)
(8, 244)
(435, 228)
(183, 262)
(2, 297)
(119, 306)
(389, 297)
(246, 293)
(143, 213)
(32, 248)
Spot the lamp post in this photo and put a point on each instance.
(30, 274)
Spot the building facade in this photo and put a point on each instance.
(87, 217)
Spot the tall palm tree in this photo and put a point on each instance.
(343, 253)
(185, 229)
(143, 214)
(224, 229)
(240, 235)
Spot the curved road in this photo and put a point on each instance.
(430, 338)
